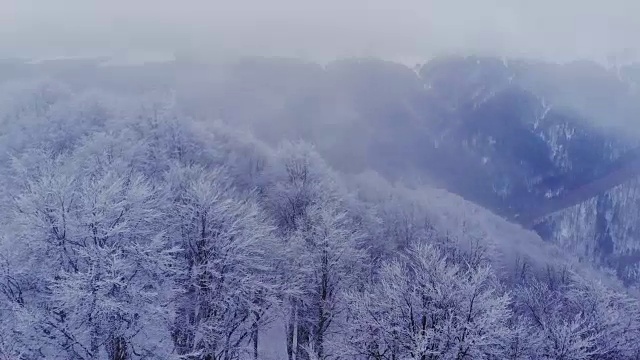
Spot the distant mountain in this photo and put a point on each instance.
(507, 134)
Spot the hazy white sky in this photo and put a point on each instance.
(561, 29)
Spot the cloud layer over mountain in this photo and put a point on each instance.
(407, 29)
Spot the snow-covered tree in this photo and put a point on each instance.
(612, 317)
(423, 307)
(563, 334)
(324, 255)
(90, 247)
(580, 318)
(227, 248)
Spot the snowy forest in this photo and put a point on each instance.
(319, 180)
(130, 230)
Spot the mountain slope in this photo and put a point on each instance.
(519, 137)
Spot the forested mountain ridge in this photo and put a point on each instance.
(135, 226)
(526, 128)
(515, 136)
(511, 135)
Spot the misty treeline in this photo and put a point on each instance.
(129, 231)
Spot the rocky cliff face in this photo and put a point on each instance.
(604, 230)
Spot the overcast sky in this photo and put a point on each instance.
(558, 29)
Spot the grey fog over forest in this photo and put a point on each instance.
(319, 180)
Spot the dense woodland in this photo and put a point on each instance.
(129, 230)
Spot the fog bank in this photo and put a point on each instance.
(404, 29)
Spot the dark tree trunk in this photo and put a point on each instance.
(255, 335)
(290, 330)
(323, 316)
(119, 349)
(304, 338)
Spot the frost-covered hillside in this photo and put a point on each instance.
(278, 209)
